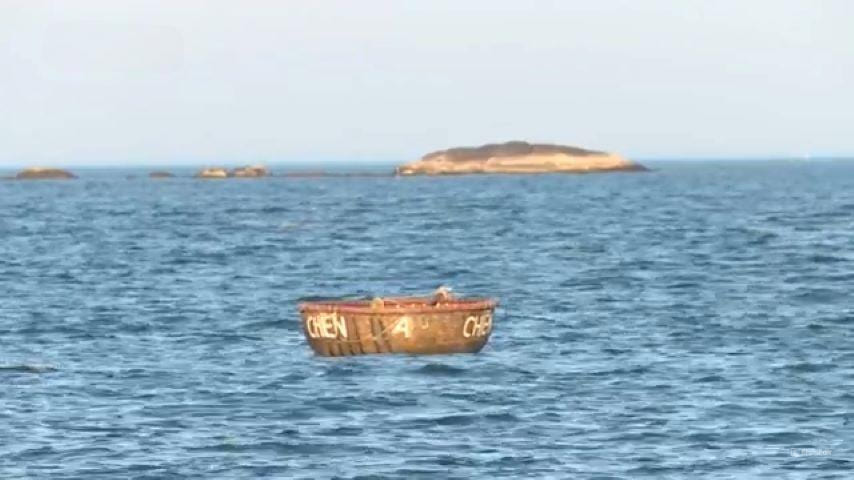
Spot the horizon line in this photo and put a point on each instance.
(389, 162)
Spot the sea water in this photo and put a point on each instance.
(694, 321)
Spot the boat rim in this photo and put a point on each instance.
(398, 305)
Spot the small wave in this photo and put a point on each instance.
(639, 370)
(430, 421)
(270, 446)
(818, 296)
(409, 472)
(789, 437)
(278, 209)
(763, 239)
(451, 460)
(615, 351)
(454, 420)
(682, 286)
(807, 367)
(337, 370)
(819, 258)
(343, 431)
(27, 369)
(350, 295)
(440, 369)
(502, 417)
(844, 319)
(703, 437)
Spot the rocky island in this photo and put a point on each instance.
(213, 172)
(41, 173)
(518, 157)
(252, 171)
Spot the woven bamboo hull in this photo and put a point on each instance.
(411, 325)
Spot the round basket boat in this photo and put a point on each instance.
(414, 325)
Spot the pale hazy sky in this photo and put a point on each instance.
(167, 82)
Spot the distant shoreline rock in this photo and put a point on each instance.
(41, 173)
(160, 174)
(518, 157)
(215, 173)
(251, 171)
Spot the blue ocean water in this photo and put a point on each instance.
(690, 322)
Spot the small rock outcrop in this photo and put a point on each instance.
(252, 171)
(215, 172)
(517, 157)
(160, 174)
(41, 173)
